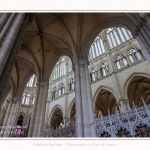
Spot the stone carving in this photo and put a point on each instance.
(14, 100)
(131, 123)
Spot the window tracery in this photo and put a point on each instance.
(59, 69)
(121, 61)
(142, 130)
(134, 55)
(54, 93)
(105, 134)
(104, 69)
(122, 132)
(71, 84)
(61, 90)
(117, 36)
(94, 74)
(97, 48)
(28, 96)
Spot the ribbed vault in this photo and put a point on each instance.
(52, 35)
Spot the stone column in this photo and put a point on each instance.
(34, 112)
(3, 20)
(124, 104)
(47, 111)
(43, 110)
(66, 92)
(128, 60)
(78, 103)
(142, 35)
(6, 117)
(40, 109)
(90, 102)
(49, 98)
(83, 101)
(12, 118)
(66, 121)
(11, 37)
(114, 74)
(6, 28)
(109, 58)
(10, 46)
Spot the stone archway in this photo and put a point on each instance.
(72, 114)
(57, 118)
(105, 102)
(138, 89)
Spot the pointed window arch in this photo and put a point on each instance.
(71, 84)
(104, 69)
(121, 61)
(134, 55)
(28, 96)
(97, 48)
(32, 81)
(117, 36)
(94, 74)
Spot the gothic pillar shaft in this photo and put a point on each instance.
(66, 90)
(47, 110)
(43, 110)
(112, 69)
(33, 112)
(11, 119)
(40, 113)
(109, 57)
(84, 99)
(78, 104)
(4, 20)
(48, 104)
(11, 37)
(143, 46)
(6, 118)
(9, 47)
(90, 102)
(7, 27)
(142, 35)
(146, 20)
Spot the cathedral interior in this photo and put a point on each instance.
(74, 75)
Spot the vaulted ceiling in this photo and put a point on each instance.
(51, 35)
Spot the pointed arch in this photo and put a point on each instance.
(105, 101)
(129, 79)
(71, 108)
(125, 22)
(56, 111)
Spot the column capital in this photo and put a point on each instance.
(83, 62)
(80, 62)
(145, 17)
(141, 22)
(135, 32)
(14, 100)
(42, 84)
